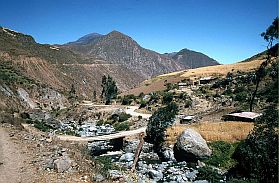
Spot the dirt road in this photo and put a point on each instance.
(128, 109)
(13, 165)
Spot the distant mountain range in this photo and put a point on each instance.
(83, 62)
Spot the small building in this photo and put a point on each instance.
(185, 119)
(182, 86)
(206, 80)
(242, 116)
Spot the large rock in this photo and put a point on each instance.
(127, 157)
(190, 146)
(63, 164)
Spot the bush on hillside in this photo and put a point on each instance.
(257, 156)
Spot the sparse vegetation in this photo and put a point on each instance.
(10, 75)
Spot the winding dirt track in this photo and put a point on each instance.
(13, 168)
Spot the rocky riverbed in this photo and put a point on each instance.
(149, 167)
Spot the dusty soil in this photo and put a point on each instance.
(24, 155)
(15, 166)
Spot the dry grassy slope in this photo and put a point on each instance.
(157, 83)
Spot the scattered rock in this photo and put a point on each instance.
(49, 164)
(115, 174)
(201, 181)
(127, 157)
(191, 146)
(98, 178)
(156, 175)
(169, 155)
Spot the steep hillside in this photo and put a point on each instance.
(58, 67)
(117, 48)
(193, 59)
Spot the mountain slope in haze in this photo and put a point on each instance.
(60, 68)
(193, 59)
(117, 48)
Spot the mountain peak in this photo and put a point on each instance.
(115, 33)
(87, 39)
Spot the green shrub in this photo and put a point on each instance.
(128, 99)
(257, 155)
(124, 117)
(158, 123)
(221, 154)
(210, 174)
(100, 122)
(141, 95)
(42, 126)
(188, 103)
(241, 97)
(106, 164)
(143, 104)
(167, 98)
(183, 96)
(123, 126)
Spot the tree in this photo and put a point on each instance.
(109, 90)
(269, 35)
(257, 156)
(158, 123)
(94, 95)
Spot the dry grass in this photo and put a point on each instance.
(225, 131)
(157, 83)
(222, 69)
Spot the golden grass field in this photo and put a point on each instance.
(157, 83)
(225, 131)
(218, 69)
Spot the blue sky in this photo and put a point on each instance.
(226, 30)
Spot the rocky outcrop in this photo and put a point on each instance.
(190, 146)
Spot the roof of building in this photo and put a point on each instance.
(182, 84)
(207, 78)
(248, 115)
